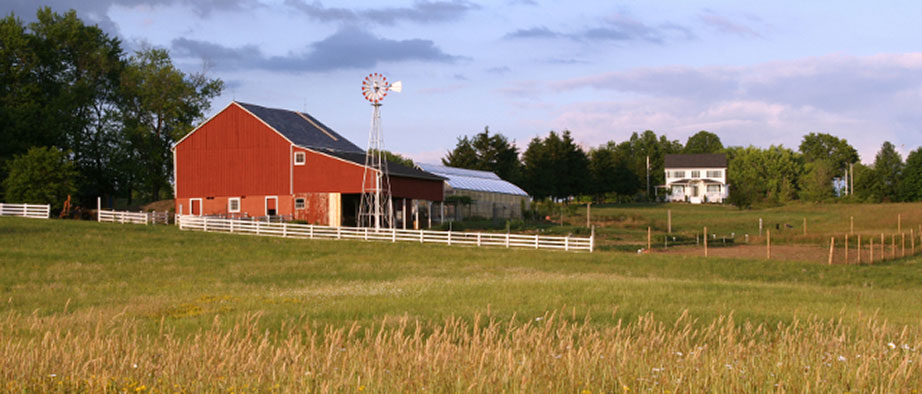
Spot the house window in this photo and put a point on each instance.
(696, 174)
(299, 203)
(678, 174)
(715, 174)
(678, 190)
(713, 188)
(233, 205)
(300, 158)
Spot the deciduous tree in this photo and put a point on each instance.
(43, 175)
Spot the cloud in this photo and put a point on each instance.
(535, 32)
(865, 99)
(421, 11)
(617, 27)
(724, 25)
(347, 48)
(96, 11)
(503, 70)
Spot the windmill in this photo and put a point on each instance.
(376, 208)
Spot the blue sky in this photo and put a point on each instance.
(757, 73)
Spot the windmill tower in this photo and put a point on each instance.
(376, 208)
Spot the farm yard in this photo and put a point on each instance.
(119, 307)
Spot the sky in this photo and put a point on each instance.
(755, 73)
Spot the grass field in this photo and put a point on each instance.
(89, 306)
(624, 227)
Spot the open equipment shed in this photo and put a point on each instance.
(254, 161)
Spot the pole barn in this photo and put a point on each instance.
(253, 161)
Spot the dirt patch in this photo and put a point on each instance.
(159, 206)
(811, 253)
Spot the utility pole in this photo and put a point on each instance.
(648, 177)
(851, 187)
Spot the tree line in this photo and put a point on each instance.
(555, 167)
(80, 116)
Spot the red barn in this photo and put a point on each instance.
(249, 160)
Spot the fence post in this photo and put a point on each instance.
(649, 234)
(832, 245)
(858, 249)
(507, 239)
(846, 249)
(705, 242)
(902, 244)
(422, 236)
(257, 227)
(669, 221)
(768, 244)
(284, 230)
(591, 239)
(394, 232)
(98, 208)
(478, 239)
(339, 234)
(536, 238)
(310, 231)
(205, 225)
(871, 251)
(883, 243)
(449, 238)
(893, 246)
(566, 243)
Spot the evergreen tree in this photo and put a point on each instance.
(911, 183)
(555, 167)
(888, 168)
(485, 152)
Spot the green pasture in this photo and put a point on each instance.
(626, 224)
(85, 271)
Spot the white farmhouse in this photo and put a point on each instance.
(696, 178)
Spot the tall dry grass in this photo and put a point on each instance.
(543, 354)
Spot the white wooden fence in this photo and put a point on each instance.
(25, 210)
(309, 231)
(122, 217)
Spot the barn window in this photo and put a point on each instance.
(233, 205)
(300, 158)
(299, 203)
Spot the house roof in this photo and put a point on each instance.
(302, 129)
(701, 160)
(394, 169)
(484, 181)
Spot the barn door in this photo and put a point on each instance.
(272, 206)
(195, 206)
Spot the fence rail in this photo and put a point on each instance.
(25, 210)
(122, 217)
(309, 231)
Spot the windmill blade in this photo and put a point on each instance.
(396, 87)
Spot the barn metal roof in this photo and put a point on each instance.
(302, 129)
(484, 181)
(393, 168)
(701, 160)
